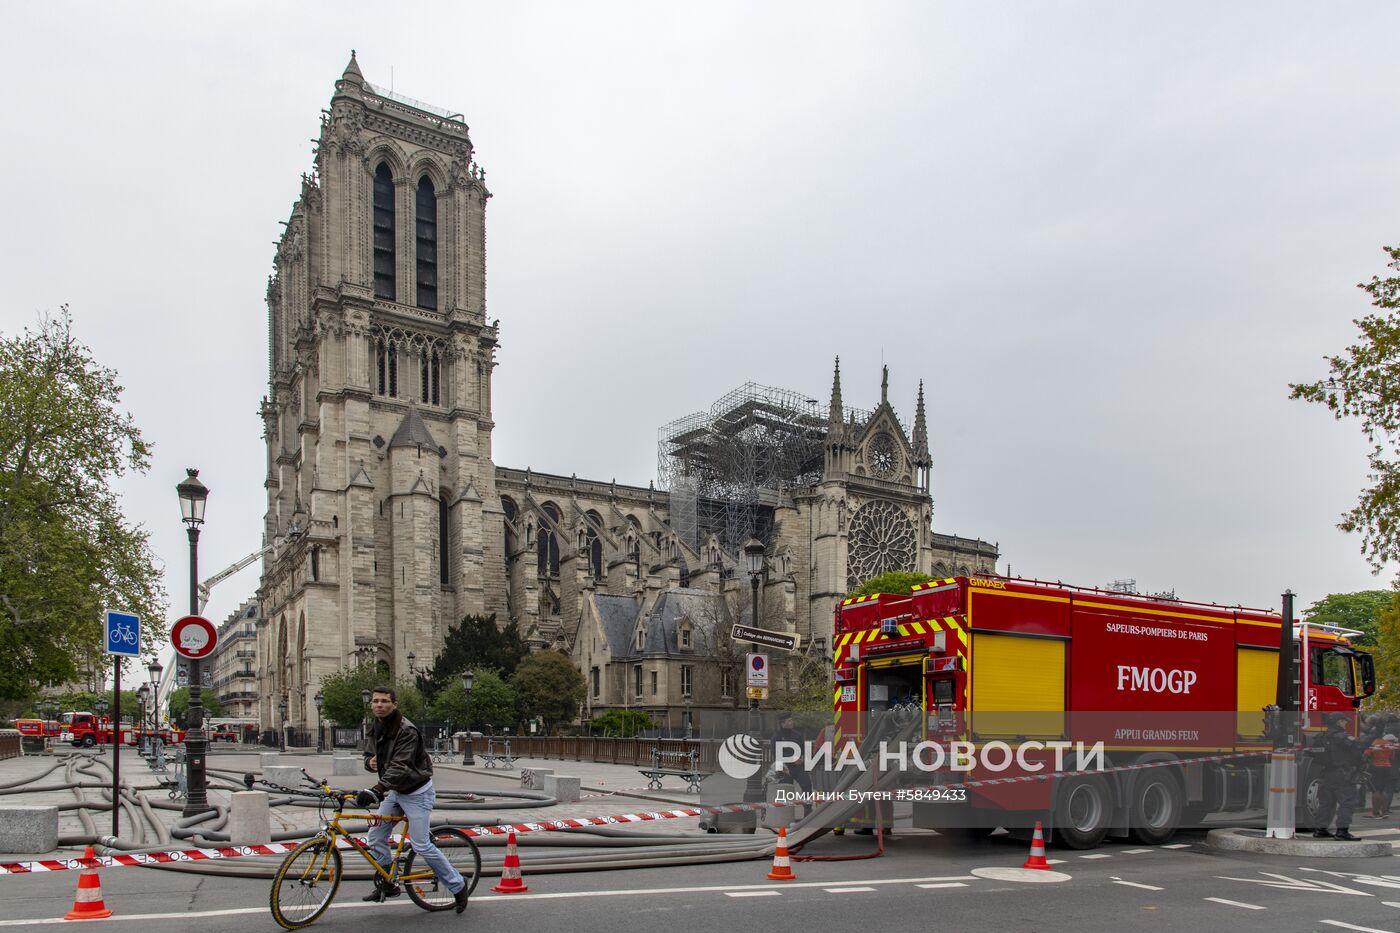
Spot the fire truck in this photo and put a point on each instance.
(1175, 691)
(84, 730)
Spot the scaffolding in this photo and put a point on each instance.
(724, 468)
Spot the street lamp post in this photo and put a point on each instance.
(467, 758)
(320, 724)
(101, 705)
(192, 498)
(154, 669)
(143, 696)
(753, 556)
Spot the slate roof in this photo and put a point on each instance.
(413, 432)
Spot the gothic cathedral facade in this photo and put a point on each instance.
(388, 520)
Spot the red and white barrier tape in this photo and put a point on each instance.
(280, 848)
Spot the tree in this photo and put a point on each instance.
(475, 643)
(1387, 657)
(492, 701)
(342, 693)
(621, 722)
(1360, 611)
(549, 686)
(896, 582)
(66, 549)
(180, 704)
(1365, 383)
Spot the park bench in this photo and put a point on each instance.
(669, 764)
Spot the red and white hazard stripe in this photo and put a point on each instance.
(281, 848)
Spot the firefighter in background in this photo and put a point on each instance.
(788, 732)
(1380, 764)
(1339, 756)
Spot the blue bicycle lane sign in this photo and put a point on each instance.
(123, 633)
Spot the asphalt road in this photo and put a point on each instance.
(922, 882)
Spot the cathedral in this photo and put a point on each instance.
(388, 519)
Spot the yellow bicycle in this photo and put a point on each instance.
(309, 876)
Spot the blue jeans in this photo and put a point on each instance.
(418, 807)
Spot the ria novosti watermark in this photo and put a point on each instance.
(740, 756)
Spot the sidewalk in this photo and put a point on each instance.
(608, 790)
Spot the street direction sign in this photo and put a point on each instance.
(123, 633)
(757, 668)
(783, 641)
(194, 637)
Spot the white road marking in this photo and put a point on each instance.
(1054, 861)
(945, 884)
(1221, 900)
(1134, 884)
(739, 890)
(1096, 855)
(1352, 926)
(1283, 882)
(1177, 845)
(1028, 875)
(845, 890)
(753, 893)
(1135, 851)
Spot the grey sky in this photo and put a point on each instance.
(1105, 236)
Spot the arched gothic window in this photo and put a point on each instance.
(547, 544)
(384, 233)
(594, 545)
(426, 230)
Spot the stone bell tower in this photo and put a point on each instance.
(382, 515)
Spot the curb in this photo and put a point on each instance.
(1253, 840)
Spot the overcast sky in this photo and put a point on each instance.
(1106, 236)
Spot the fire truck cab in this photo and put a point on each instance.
(1174, 691)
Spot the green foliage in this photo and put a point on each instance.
(492, 701)
(180, 704)
(475, 643)
(549, 687)
(621, 722)
(895, 582)
(1363, 384)
(66, 549)
(341, 693)
(1387, 657)
(1360, 611)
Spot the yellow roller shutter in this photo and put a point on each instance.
(1018, 686)
(1256, 679)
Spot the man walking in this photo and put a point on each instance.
(394, 750)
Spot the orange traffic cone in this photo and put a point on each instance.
(1037, 859)
(511, 882)
(88, 905)
(782, 867)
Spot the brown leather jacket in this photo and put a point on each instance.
(403, 763)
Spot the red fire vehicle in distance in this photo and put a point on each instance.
(1177, 686)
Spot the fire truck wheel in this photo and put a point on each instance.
(89, 741)
(1082, 811)
(1157, 806)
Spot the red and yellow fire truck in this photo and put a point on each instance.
(1173, 690)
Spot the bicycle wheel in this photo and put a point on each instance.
(305, 883)
(423, 885)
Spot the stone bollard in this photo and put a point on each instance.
(563, 787)
(283, 775)
(28, 830)
(249, 818)
(342, 765)
(537, 776)
(267, 759)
